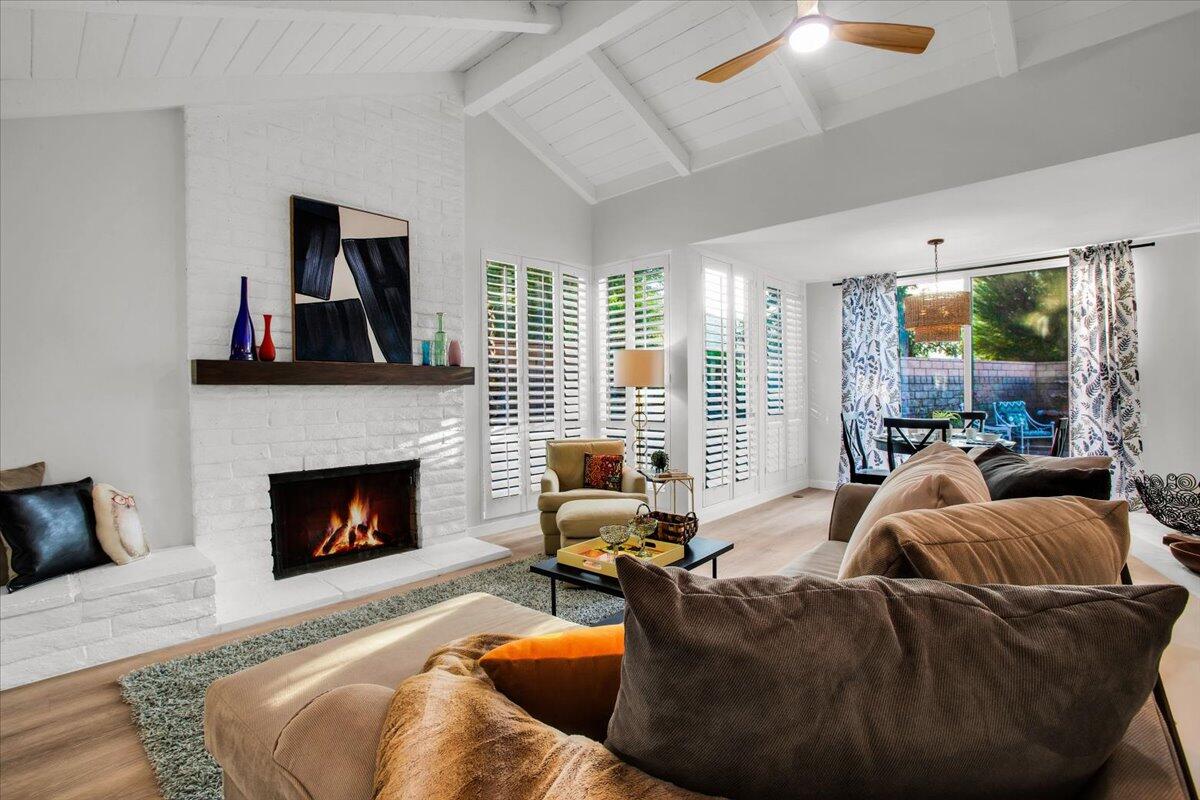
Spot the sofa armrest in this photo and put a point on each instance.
(329, 746)
(632, 482)
(848, 506)
(549, 481)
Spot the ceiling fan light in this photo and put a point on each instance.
(808, 36)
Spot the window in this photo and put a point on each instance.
(536, 372)
(1010, 362)
(753, 382)
(633, 314)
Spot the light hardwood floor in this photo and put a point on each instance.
(71, 737)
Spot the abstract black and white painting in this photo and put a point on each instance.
(350, 280)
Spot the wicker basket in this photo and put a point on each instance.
(674, 528)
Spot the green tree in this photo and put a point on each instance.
(1020, 316)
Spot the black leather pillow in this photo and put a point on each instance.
(51, 531)
(774, 687)
(1009, 475)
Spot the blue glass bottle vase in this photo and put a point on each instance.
(241, 343)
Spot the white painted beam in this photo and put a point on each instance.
(526, 135)
(1004, 37)
(516, 16)
(783, 65)
(607, 75)
(49, 98)
(528, 59)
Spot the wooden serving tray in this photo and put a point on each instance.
(594, 556)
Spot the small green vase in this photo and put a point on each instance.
(439, 344)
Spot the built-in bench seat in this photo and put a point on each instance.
(105, 613)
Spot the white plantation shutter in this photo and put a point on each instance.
(774, 388)
(503, 387)
(614, 311)
(754, 368)
(536, 344)
(540, 368)
(633, 314)
(650, 331)
(574, 360)
(717, 456)
(795, 374)
(745, 384)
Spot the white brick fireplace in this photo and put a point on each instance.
(399, 156)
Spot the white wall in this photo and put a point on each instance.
(514, 204)
(92, 339)
(1168, 295)
(824, 382)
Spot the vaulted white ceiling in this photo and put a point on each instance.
(602, 91)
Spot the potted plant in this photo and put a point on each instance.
(659, 461)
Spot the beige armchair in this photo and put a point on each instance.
(562, 481)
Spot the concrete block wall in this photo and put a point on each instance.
(936, 384)
(401, 156)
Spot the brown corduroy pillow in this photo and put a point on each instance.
(809, 688)
(938, 476)
(1028, 541)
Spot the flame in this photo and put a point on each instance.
(358, 531)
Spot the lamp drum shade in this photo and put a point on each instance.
(639, 368)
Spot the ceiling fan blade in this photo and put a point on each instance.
(723, 72)
(911, 39)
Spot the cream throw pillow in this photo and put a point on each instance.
(938, 476)
(118, 525)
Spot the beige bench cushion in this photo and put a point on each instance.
(581, 519)
(246, 714)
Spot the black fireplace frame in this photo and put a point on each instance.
(412, 466)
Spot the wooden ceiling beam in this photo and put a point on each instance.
(545, 152)
(1004, 36)
(783, 65)
(527, 60)
(512, 16)
(605, 72)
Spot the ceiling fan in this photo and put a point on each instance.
(811, 29)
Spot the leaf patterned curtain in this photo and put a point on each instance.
(1105, 409)
(870, 359)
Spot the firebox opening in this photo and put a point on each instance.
(330, 517)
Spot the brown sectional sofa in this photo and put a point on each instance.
(304, 726)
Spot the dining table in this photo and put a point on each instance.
(965, 443)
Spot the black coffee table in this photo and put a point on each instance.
(696, 552)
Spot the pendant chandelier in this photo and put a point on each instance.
(936, 316)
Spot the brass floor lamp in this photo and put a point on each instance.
(639, 369)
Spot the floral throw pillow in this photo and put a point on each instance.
(602, 471)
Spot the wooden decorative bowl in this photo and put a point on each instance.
(1188, 554)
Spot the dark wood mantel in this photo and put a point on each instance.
(212, 372)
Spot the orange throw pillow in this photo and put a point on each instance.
(567, 679)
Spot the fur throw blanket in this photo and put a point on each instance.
(451, 735)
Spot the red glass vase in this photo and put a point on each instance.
(266, 351)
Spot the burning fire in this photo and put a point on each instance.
(359, 531)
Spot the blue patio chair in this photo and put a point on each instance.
(1023, 428)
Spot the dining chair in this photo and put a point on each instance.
(973, 419)
(860, 472)
(1060, 440)
(897, 429)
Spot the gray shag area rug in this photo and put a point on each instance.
(168, 697)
